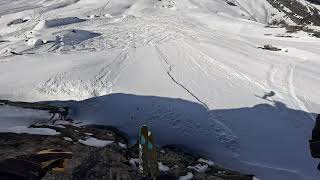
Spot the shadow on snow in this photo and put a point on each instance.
(265, 139)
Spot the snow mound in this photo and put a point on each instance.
(50, 23)
(73, 37)
(35, 42)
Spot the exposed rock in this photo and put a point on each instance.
(231, 3)
(109, 162)
(314, 1)
(17, 21)
(295, 29)
(299, 13)
(270, 48)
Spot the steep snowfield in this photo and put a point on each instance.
(126, 63)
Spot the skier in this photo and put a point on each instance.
(315, 141)
(270, 94)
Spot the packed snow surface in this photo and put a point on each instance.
(189, 69)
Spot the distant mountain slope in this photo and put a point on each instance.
(274, 12)
(314, 1)
(299, 11)
(10, 6)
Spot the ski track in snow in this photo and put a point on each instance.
(168, 68)
(223, 134)
(274, 169)
(271, 81)
(283, 83)
(293, 94)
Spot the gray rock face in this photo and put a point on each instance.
(301, 14)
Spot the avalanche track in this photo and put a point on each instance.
(192, 70)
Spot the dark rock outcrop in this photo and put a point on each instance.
(301, 14)
(112, 162)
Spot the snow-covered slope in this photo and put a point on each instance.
(298, 11)
(152, 52)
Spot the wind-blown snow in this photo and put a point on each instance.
(188, 68)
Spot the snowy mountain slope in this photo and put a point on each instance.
(203, 52)
(9, 6)
(299, 11)
(276, 12)
(314, 1)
